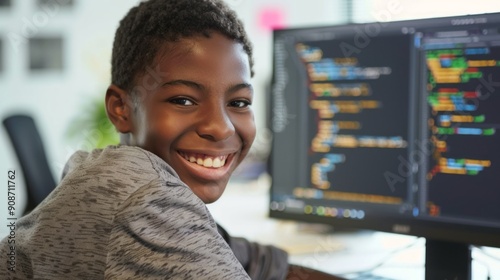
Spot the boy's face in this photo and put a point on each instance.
(198, 118)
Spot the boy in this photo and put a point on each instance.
(181, 97)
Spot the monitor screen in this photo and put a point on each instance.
(390, 126)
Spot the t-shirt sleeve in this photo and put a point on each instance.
(166, 232)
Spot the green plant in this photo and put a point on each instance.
(92, 129)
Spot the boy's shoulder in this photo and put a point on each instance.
(120, 160)
(114, 173)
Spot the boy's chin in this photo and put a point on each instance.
(209, 199)
(208, 194)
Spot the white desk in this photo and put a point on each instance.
(242, 211)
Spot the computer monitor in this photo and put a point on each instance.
(392, 126)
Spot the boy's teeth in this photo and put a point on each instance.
(216, 163)
(207, 161)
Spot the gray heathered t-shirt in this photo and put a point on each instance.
(120, 213)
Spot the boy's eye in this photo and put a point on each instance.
(240, 103)
(182, 101)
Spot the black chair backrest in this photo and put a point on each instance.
(30, 152)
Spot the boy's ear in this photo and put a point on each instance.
(118, 108)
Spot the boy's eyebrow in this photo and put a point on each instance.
(183, 82)
(237, 87)
(201, 87)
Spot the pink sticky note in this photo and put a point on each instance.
(271, 18)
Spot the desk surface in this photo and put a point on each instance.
(242, 211)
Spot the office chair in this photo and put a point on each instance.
(30, 152)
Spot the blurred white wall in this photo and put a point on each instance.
(54, 99)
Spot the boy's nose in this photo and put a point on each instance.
(215, 124)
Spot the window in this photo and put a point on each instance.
(60, 3)
(46, 54)
(5, 3)
(1, 56)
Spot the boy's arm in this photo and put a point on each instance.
(263, 262)
(164, 231)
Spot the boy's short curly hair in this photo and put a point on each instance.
(147, 26)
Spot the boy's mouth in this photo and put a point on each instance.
(205, 160)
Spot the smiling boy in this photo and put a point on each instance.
(181, 95)
(199, 118)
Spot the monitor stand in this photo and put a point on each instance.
(447, 260)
